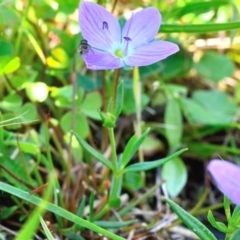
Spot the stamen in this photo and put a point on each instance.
(127, 39)
(104, 25)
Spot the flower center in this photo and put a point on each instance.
(119, 53)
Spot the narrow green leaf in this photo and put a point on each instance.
(218, 225)
(198, 28)
(93, 152)
(106, 224)
(46, 230)
(226, 204)
(30, 226)
(57, 210)
(235, 219)
(191, 222)
(91, 206)
(131, 147)
(137, 167)
(81, 207)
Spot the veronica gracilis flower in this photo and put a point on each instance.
(112, 47)
(226, 176)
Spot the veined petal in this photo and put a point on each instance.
(99, 60)
(226, 176)
(142, 27)
(98, 26)
(150, 53)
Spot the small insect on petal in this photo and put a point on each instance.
(84, 47)
(104, 25)
(226, 176)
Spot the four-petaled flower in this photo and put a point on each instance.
(112, 47)
(226, 176)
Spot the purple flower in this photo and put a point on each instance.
(111, 47)
(226, 176)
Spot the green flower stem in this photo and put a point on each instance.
(102, 212)
(113, 150)
(137, 97)
(114, 92)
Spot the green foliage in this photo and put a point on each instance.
(175, 174)
(215, 67)
(53, 114)
(233, 219)
(191, 222)
(131, 148)
(173, 121)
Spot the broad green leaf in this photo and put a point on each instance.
(133, 180)
(107, 225)
(209, 107)
(28, 112)
(214, 66)
(175, 174)
(6, 47)
(91, 105)
(137, 167)
(218, 103)
(58, 59)
(176, 65)
(26, 147)
(88, 83)
(191, 222)
(173, 120)
(151, 145)
(218, 225)
(11, 102)
(129, 105)
(131, 148)
(93, 152)
(9, 64)
(81, 126)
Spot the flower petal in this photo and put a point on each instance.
(142, 27)
(151, 53)
(98, 26)
(226, 176)
(100, 60)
